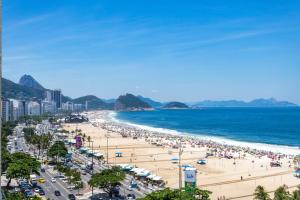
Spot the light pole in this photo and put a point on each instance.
(107, 149)
(179, 162)
(92, 165)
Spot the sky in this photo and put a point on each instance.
(168, 50)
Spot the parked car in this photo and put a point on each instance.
(130, 196)
(71, 197)
(53, 180)
(41, 192)
(57, 193)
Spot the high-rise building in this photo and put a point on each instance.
(48, 95)
(5, 110)
(57, 98)
(34, 108)
(48, 107)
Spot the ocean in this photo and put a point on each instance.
(264, 128)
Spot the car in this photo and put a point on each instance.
(36, 190)
(41, 192)
(43, 170)
(41, 180)
(53, 180)
(28, 194)
(71, 197)
(130, 196)
(83, 173)
(57, 193)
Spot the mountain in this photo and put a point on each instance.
(93, 102)
(254, 103)
(175, 105)
(28, 89)
(109, 100)
(29, 81)
(270, 103)
(130, 102)
(152, 103)
(229, 103)
(17, 91)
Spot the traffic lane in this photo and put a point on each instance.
(56, 186)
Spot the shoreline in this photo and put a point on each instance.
(275, 148)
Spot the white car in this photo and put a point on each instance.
(53, 180)
(36, 190)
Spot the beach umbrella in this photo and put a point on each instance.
(174, 158)
(186, 166)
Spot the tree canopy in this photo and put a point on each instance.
(58, 149)
(21, 165)
(107, 179)
(175, 194)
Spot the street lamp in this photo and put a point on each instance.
(107, 149)
(179, 162)
(92, 165)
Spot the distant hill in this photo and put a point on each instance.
(94, 103)
(152, 103)
(109, 100)
(130, 102)
(29, 81)
(175, 105)
(234, 103)
(16, 91)
(25, 90)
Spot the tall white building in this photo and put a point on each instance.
(34, 108)
(48, 107)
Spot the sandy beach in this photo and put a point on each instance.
(232, 172)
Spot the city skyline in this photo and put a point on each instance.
(171, 51)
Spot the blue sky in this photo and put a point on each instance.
(167, 50)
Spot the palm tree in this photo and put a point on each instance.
(282, 194)
(261, 194)
(89, 140)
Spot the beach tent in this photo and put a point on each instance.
(151, 176)
(82, 150)
(156, 178)
(202, 161)
(98, 155)
(144, 173)
(118, 154)
(174, 159)
(297, 173)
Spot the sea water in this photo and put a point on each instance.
(275, 129)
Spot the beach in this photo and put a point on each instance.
(231, 171)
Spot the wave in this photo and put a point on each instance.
(289, 150)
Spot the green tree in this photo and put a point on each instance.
(175, 194)
(21, 166)
(282, 194)
(261, 194)
(58, 149)
(107, 179)
(296, 194)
